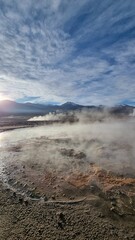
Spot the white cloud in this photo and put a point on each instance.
(40, 57)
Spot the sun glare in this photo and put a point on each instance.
(2, 97)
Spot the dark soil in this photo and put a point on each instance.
(21, 219)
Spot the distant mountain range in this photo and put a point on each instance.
(11, 107)
(8, 107)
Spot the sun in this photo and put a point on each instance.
(2, 97)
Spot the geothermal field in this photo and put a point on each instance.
(67, 179)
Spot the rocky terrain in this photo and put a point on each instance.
(78, 210)
(49, 220)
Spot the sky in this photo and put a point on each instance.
(54, 51)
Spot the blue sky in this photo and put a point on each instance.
(68, 50)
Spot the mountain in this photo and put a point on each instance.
(11, 107)
(70, 106)
(14, 108)
(122, 110)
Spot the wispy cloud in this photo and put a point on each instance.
(83, 51)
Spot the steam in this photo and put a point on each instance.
(84, 115)
(48, 117)
(133, 114)
(72, 147)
